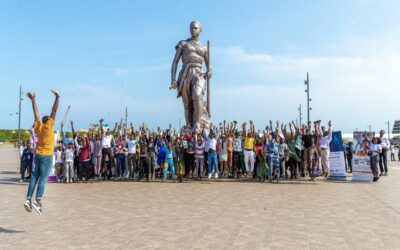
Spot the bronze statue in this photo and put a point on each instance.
(191, 83)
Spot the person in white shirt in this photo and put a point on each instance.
(59, 166)
(211, 145)
(106, 141)
(383, 155)
(69, 163)
(392, 149)
(398, 153)
(325, 139)
(375, 149)
(22, 148)
(237, 146)
(132, 141)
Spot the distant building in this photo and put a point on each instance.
(396, 127)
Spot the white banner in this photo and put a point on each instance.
(337, 166)
(361, 168)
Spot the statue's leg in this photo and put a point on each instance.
(187, 105)
(197, 97)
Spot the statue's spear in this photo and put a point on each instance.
(208, 80)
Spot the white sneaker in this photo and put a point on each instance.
(209, 176)
(28, 206)
(37, 207)
(216, 176)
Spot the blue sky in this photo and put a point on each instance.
(105, 55)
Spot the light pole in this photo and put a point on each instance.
(19, 116)
(126, 116)
(388, 124)
(300, 114)
(307, 83)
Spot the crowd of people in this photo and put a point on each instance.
(280, 151)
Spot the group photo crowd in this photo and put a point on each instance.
(280, 151)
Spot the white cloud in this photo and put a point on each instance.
(120, 72)
(353, 89)
(356, 87)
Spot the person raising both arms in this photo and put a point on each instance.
(249, 139)
(43, 153)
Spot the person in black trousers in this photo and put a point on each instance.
(383, 155)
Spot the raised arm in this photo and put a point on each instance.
(32, 96)
(277, 130)
(132, 129)
(101, 127)
(316, 129)
(252, 130)
(319, 128)
(115, 128)
(233, 127)
(55, 105)
(62, 131)
(244, 130)
(330, 130)
(73, 130)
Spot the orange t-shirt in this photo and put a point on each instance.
(45, 135)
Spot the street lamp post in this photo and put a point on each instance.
(307, 83)
(300, 114)
(19, 116)
(126, 116)
(388, 124)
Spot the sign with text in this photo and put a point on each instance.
(337, 165)
(361, 168)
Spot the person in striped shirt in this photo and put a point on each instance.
(199, 155)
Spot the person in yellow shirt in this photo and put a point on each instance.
(249, 156)
(43, 153)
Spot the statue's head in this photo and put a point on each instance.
(195, 28)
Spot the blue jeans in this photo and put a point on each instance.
(212, 158)
(120, 165)
(43, 164)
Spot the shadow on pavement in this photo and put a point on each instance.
(9, 231)
(8, 172)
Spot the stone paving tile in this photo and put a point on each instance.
(211, 214)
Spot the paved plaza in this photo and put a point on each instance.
(201, 215)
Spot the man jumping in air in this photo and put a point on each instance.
(43, 153)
